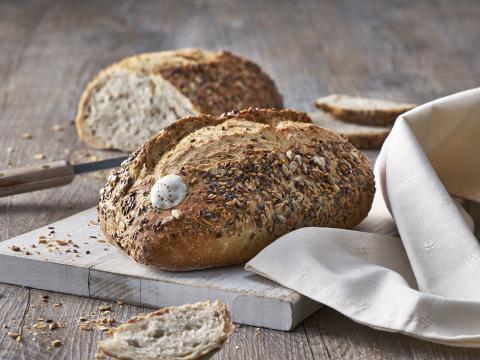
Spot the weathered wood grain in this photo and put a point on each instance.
(403, 50)
(66, 311)
(333, 336)
(14, 303)
(255, 343)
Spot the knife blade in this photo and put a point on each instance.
(98, 165)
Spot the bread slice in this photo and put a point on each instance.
(362, 111)
(248, 177)
(135, 98)
(363, 137)
(182, 333)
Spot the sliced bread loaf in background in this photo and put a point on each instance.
(133, 99)
(182, 333)
(363, 111)
(363, 137)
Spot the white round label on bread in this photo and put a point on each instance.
(168, 192)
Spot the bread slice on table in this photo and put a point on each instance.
(213, 191)
(363, 111)
(135, 98)
(185, 332)
(363, 137)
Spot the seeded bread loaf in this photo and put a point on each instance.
(185, 332)
(363, 111)
(249, 177)
(135, 98)
(363, 137)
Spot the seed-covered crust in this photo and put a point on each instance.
(241, 83)
(206, 82)
(252, 176)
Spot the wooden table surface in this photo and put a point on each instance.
(404, 50)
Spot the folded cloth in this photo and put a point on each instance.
(424, 283)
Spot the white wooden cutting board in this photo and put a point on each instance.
(106, 273)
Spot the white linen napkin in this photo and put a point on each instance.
(425, 283)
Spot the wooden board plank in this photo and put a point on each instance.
(71, 256)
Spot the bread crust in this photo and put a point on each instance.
(252, 176)
(368, 141)
(243, 80)
(363, 137)
(213, 82)
(378, 116)
(228, 329)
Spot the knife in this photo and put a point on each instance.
(44, 176)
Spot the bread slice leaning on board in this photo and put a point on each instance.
(362, 111)
(185, 332)
(363, 137)
(246, 177)
(135, 98)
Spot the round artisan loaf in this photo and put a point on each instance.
(250, 176)
(135, 98)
